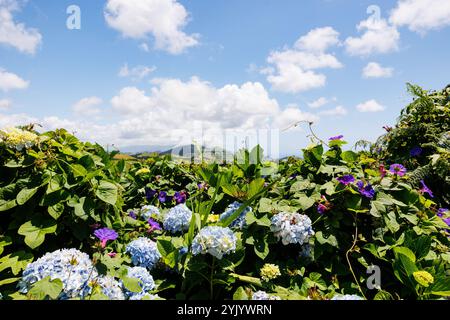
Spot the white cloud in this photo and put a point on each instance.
(290, 116)
(136, 73)
(421, 15)
(5, 104)
(163, 19)
(318, 40)
(375, 70)
(370, 106)
(16, 34)
(318, 103)
(173, 111)
(10, 81)
(338, 111)
(378, 37)
(292, 70)
(86, 106)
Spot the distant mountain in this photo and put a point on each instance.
(143, 149)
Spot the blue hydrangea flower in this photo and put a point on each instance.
(72, 267)
(146, 282)
(178, 219)
(144, 252)
(347, 297)
(216, 241)
(262, 295)
(292, 228)
(148, 211)
(239, 222)
(109, 286)
(306, 251)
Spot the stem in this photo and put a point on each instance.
(347, 256)
(211, 283)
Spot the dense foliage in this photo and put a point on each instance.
(76, 223)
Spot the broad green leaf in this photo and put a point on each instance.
(349, 156)
(16, 261)
(132, 284)
(7, 205)
(9, 281)
(405, 251)
(46, 287)
(35, 231)
(240, 294)
(107, 192)
(25, 194)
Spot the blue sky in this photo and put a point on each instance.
(149, 72)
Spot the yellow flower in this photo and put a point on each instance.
(423, 278)
(269, 272)
(142, 171)
(213, 218)
(17, 138)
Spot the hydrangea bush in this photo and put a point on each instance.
(155, 228)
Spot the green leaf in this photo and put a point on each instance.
(240, 294)
(261, 247)
(35, 231)
(25, 194)
(304, 201)
(7, 205)
(441, 286)
(132, 284)
(4, 241)
(349, 156)
(404, 267)
(56, 211)
(255, 187)
(377, 209)
(9, 281)
(331, 239)
(168, 252)
(405, 251)
(383, 295)
(16, 261)
(46, 287)
(107, 192)
(315, 280)
(78, 170)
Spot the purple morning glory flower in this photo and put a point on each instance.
(442, 211)
(180, 197)
(416, 151)
(336, 138)
(321, 208)
(346, 180)
(447, 221)
(425, 189)
(162, 196)
(132, 215)
(105, 234)
(153, 225)
(366, 191)
(397, 169)
(150, 194)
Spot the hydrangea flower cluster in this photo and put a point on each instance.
(148, 211)
(216, 241)
(262, 295)
(144, 252)
(18, 139)
(269, 272)
(239, 222)
(292, 228)
(146, 282)
(347, 297)
(109, 286)
(178, 219)
(72, 267)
